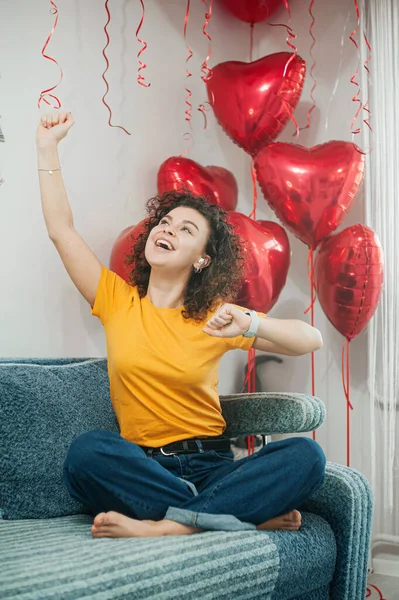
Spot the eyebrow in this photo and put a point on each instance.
(185, 221)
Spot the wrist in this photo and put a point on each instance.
(46, 147)
(248, 325)
(47, 157)
(254, 324)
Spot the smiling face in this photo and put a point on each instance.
(179, 241)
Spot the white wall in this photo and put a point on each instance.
(109, 175)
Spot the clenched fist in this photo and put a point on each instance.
(228, 321)
(53, 127)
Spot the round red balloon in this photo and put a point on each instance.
(252, 11)
(123, 245)
(267, 257)
(216, 184)
(349, 277)
(253, 101)
(310, 189)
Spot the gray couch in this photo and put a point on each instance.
(46, 548)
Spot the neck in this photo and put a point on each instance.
(165, 290)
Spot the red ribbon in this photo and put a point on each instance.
(312, 67)
(354, 76)
(206, 71)
(188, 73)
(140, 78)
(346, 385)
(368, 594)
(290, 36)
(250, 381)
(311, 309)
(356, 98)
(106, 69)
(252, 352)
(44, 93)
(251, 40)
(255, 191)
(366, 121)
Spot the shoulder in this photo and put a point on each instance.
(116, 287)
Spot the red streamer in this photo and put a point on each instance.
(106, 69)
(312, 67)
(346, 386)
(54, 11)
(368, 594)
(140, 77)
(251, 364)
(206, 71)
(354, 76)
(355, 98)
(255, 191)
(311, 309)
(290, 36)
(366, 67)
(366, 121)
(312, 283)
(188, 74)
(251, 40)
(250, 381)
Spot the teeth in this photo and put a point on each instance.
(163, 244)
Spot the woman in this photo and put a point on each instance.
(171, 471)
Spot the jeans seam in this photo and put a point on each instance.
(180, 465)
(223, 457)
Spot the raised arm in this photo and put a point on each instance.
(82, 265)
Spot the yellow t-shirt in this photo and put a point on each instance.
(163, 369)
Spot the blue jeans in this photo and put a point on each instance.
(105, 472)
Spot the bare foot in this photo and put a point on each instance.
(115, 525)
(290, 522)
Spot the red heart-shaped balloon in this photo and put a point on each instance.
(349, 272)
(122, 246)
(252, 11)
(216, 184)
(310, 189)
(267, 260)
(253, 101)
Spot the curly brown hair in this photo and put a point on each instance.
(220, 281)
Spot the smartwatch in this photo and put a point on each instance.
(254, 326)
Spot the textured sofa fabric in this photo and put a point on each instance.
(45, 404)
(42, 408)
(46, 548)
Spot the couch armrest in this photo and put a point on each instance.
(345, 502)
(271, 412)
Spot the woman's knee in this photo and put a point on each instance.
(310, 456)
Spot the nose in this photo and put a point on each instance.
(169, 230)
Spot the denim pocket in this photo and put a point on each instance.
(225, 454)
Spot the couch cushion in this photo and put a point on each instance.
(58, 558)
(308, 556)
(43, 406)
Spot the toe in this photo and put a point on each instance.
(113, 518)
(294, 516)
(99, 520)
(298, 516)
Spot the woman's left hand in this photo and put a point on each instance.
(229, 321)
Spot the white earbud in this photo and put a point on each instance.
(201, 261)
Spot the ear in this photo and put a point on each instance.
(202, 263)
(207, 262)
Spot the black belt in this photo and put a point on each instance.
(190, 446)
